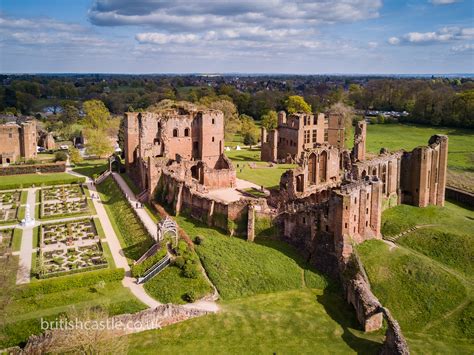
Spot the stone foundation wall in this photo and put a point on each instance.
(156, 318)
(462, 196)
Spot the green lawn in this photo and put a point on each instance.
(239, 268)
(16, 241)
(292, 322)
(24, 315)
(91, 167)
(170, 286)
(133, 236)
(18, 181)
(262, 174)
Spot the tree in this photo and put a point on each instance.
(270, 120)
(96, 114)
(70, 114)
(249, 130)
(60, 156)
(297, 103)
(98, 143)
(75, 156)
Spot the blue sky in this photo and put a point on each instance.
(254, 36)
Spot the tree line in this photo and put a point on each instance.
(434, 101)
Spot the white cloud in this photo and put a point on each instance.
(446, 34)
(463, 47)
(443, 2)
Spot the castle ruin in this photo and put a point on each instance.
(17, 140)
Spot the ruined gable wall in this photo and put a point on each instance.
(423, 173)
(181, 126)
(131, 137)
(269, 145)
(211, 136)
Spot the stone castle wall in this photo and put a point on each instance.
(17, 141)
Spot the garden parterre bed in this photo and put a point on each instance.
(6, 236)
(62, 193)
(64, 208)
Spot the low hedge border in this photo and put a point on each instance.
(69, 282)
(74, 180)
(71, 272)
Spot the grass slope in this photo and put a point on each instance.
(427, 298)
(91, 167)
(451, 249)
(239, 268)
(170, 286)
(448, 218)
(133, 236)
(298, 321)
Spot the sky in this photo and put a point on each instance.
(227, 36)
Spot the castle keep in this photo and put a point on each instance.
(17, 140)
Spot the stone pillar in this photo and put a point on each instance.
(251, 223)
(376, 208)
(442, 167)
(359, 141)
(131, 137)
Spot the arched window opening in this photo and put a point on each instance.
(384, 179)
(186, 132)
(175, 132)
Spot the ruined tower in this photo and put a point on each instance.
(358, 152)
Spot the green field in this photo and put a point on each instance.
(18, 181)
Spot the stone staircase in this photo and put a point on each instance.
(394, 238)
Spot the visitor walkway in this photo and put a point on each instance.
(26, 248)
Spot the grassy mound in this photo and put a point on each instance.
(451, 217)
(239, 268)
(170, 286)
(451, 249)
(291, 322)
(414, 288)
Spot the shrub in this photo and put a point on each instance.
(190, 296)
(198, 240)
(191, 270)
(60, 156)
(179, 262)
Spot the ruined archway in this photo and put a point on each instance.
(168, 228)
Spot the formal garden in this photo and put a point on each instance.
(9, 197)
(69, 247)
(67, 233)
(62, 193)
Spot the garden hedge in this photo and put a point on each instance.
(65, 283)
(23, 185)
(139, 270)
